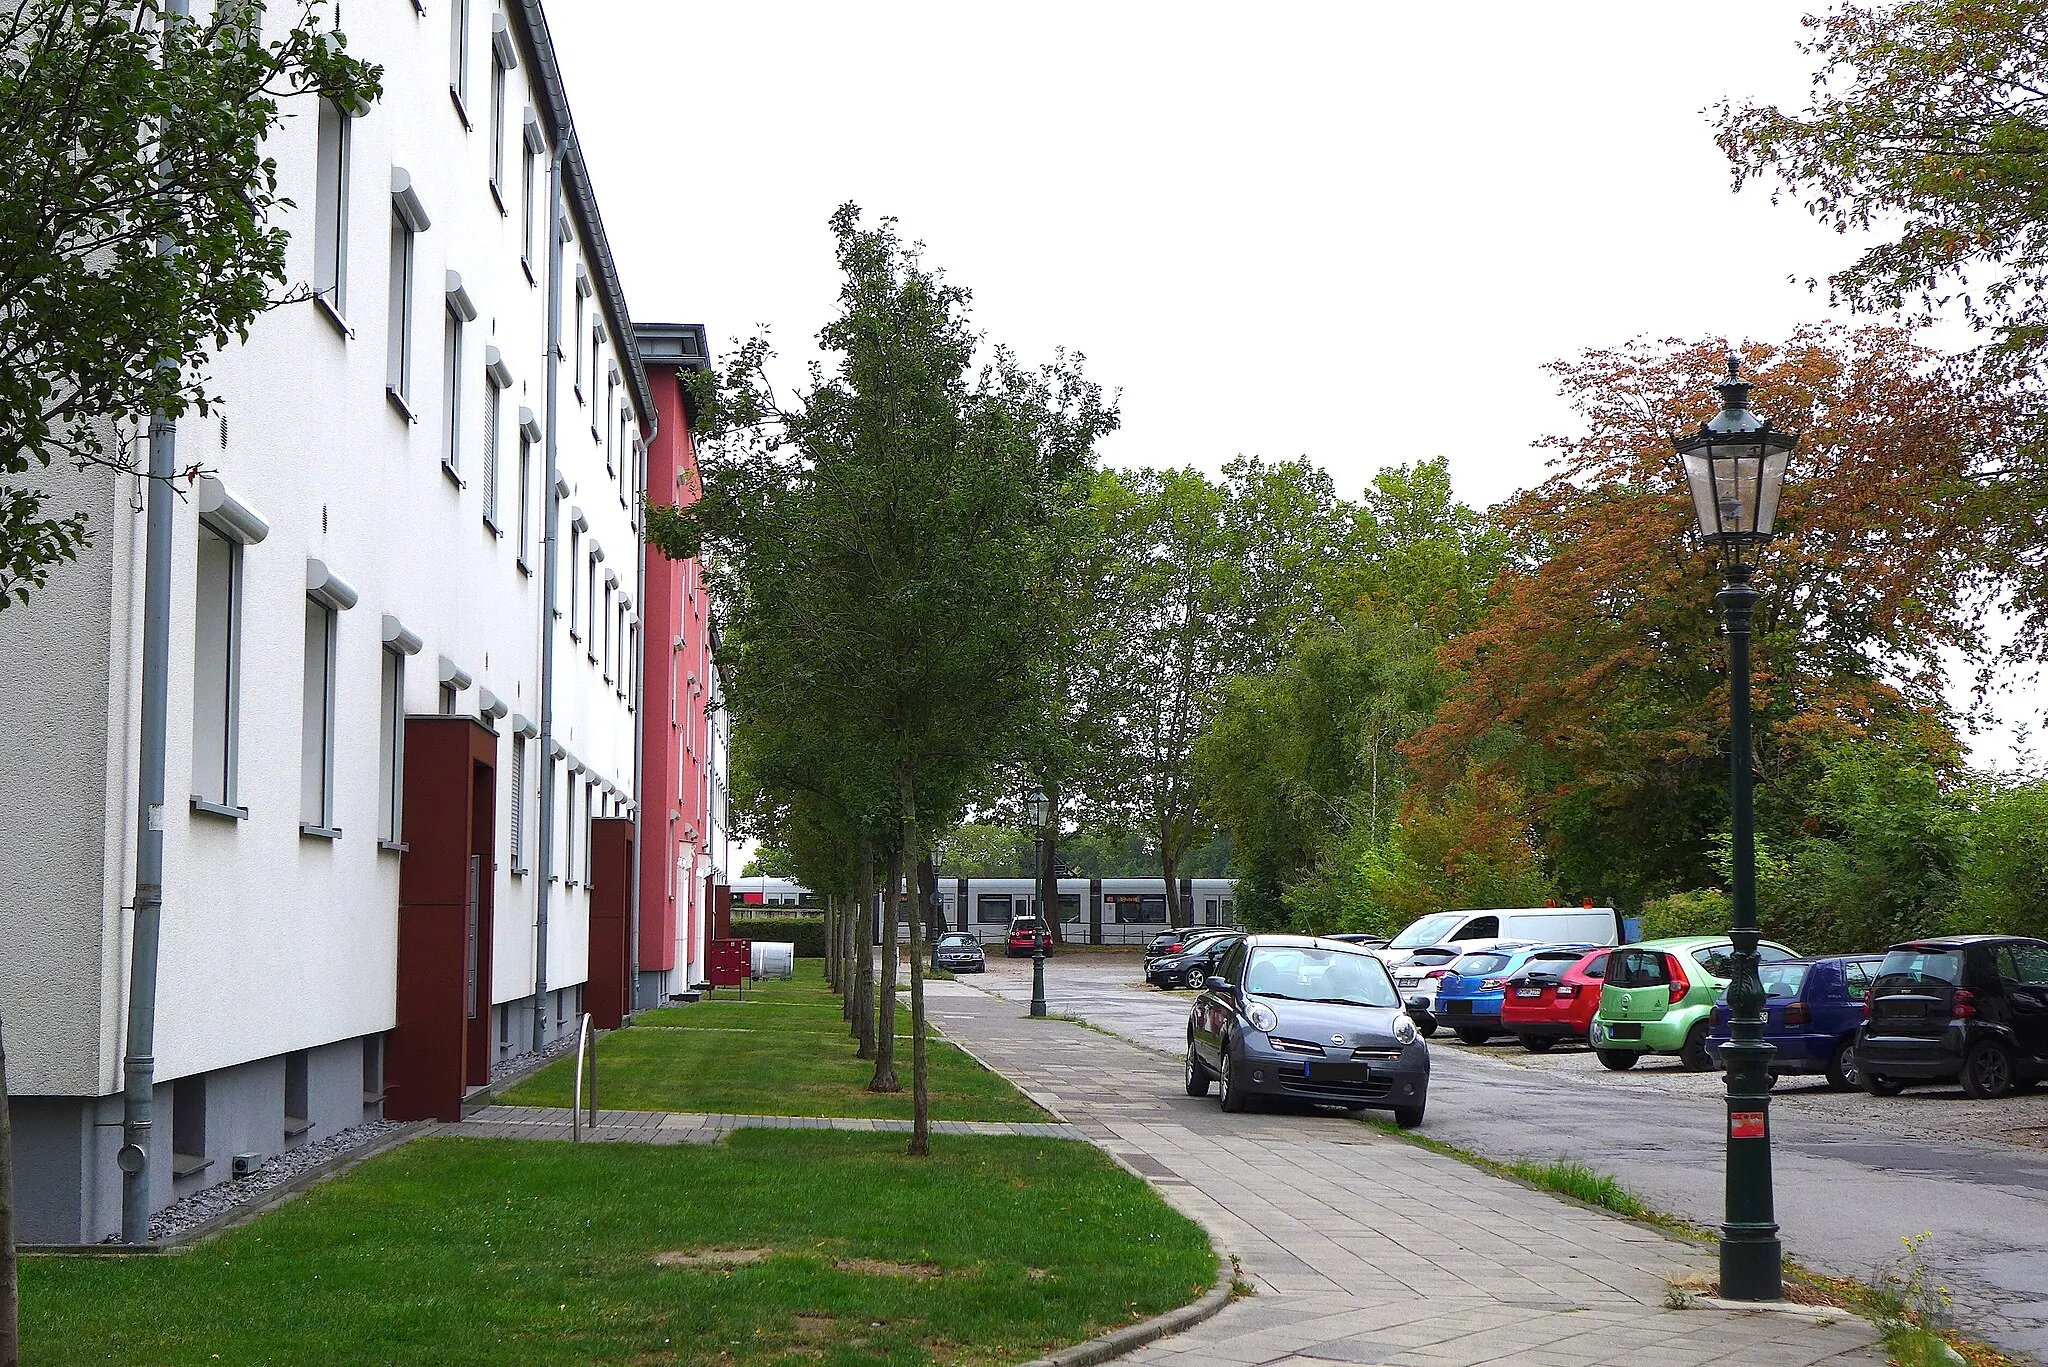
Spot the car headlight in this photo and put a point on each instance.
(1261, 1016)
(1404, 1029)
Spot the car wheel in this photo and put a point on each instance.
(1475, 1036)
(1842, 1067)
(1693, 1053)
(1408, 1117)
(1877, 1084)
(1987, 1072)
(1197, 1075)
(1428, 1031)
(1617, 1060)
(1539, 1044)
(1228, 1093)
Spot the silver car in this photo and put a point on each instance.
(958, 952)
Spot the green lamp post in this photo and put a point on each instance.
(1735, 468)
(1036, 807)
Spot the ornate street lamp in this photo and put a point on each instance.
(1036, 807)
(1735, 468)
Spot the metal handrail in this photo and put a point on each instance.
(585, 1033)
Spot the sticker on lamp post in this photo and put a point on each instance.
(1745, 1124)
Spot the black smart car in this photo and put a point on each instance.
(1197, 958)
(1969, 1008)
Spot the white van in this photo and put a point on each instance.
(1536, 925)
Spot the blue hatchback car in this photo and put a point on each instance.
(1469, 994)
(1812, 1008)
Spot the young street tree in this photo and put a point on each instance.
(896, 518)
(106, 105)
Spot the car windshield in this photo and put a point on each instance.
(1340, 977)
(1427, 931)
(1911, 967)
(1473, 965)
(955, 941)
(1781, 981)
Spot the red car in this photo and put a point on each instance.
(1540, 1008)
(1026, 935)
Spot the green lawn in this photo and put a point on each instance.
(468, 1253)
(782, 1051)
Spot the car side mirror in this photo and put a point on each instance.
(1419, 1012)
(1216, 984)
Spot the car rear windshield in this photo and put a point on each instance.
(1431, 958)
(1903, 970)
(1638, 968)
(1340, 977)
(1471, 965)
(1783, 980)
(1427, 931)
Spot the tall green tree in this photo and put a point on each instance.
(108, 105)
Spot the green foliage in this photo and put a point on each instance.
(980, 849)
(1703, 911)
(1581, 1183)
(770, 861)
(104, 102)
(2004, 870)
(807, 933)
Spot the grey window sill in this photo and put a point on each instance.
(398, 402)
(188, 1164)
(531, 278)
(333, 315)
(495, 529)
(394, 846)
(454, 475)
(525, 568)
(498, 198)
(319, 832)
(461, 109)
(204, 808)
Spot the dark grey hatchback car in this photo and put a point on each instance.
(1967, 1008)
(1310, 1020)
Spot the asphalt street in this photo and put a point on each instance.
(1855, 1175)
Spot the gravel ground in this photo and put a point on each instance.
(1933, 1112)
(519, 1063)
(181, 1217)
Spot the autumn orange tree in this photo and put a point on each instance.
(1596, 682)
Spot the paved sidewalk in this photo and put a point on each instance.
(663, 1127)
(1369, 1250)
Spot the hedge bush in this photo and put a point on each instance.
(807, 933)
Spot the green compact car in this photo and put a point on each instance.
(1659, 996)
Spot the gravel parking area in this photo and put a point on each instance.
(1940, 1112)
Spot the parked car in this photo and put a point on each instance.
(1812, 1010)
(958, 952)
(1523, 925)
(1972, 1008)
(1418, 973)
(1469, 994)
(1657, 997)
(1196, 961)
(1546, 1003)
(1309, 1019)
(1362, 941)
(1027, 935)
(1157, 945)
(1168, 942)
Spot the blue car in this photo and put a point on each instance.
(1469, 994)
(1812, 1008)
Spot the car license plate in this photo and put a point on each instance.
(1625, 1030)
(1457, 1008)
(1528, 992)
(1333, 1071)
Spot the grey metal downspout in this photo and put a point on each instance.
(139, 1066)
(639, 712)
(550, 572)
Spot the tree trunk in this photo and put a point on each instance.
(10, 1322)
(916, 861)
(1169, 863)
(884, 1079)
(1049, 875)
(831, 943)
(864, 956)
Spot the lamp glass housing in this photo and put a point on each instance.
(1035, 808)
(1735, 469)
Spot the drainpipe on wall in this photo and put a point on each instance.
(550, 572)
(639, 719)
(139, 1065)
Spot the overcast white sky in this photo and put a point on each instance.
(1352, 231)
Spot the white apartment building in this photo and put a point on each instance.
(356, 699)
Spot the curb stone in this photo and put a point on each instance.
(1117, 1342)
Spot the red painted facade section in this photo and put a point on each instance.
(442, 1042)
(676, 753)
(608, 993)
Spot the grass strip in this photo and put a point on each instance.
(794, 1245)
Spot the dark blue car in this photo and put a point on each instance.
(1812, 1008)
(1469, 994)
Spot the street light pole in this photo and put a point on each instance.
(1734, 467)
(1036, 809)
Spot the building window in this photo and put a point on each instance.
(596, 345)
(590, 602)
(458, 56)
(398, 347)
(449, 696)
(575, 542)
(525, 497)
(589, 811)
(606, 662)
(316, 721)
(517, 832)
(451, 392)
(611, 407)
(576, 370)
(569, 830)
(216, 668)
(492, 410)
(330, 199)
(498, 127)
(633, 655)
(391, 749)
(529, 188)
